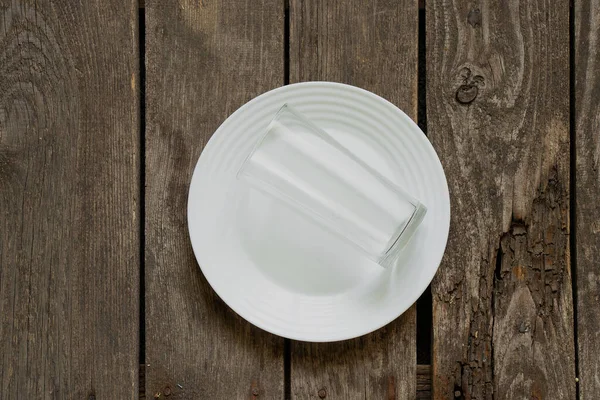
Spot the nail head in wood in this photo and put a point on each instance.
(524, 327)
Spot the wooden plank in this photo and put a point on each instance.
(142, 381)
(374, 46)
(587, 124)
(498, 116)
(69, 191)
(204, 60)
(423, 382)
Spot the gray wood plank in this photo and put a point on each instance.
(498, 115)
(204, 60)
(373, 46)
(69, 200)
(587, 126)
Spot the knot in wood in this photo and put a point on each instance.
(474, 17)
(255, 392)
(322, 393)
(466, 93)
(167, 391)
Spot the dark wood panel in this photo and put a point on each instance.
(587, 140)
(373, 46)
(204, 60)
(69, 200)
(498, 115)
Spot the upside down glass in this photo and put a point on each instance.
(297, 162)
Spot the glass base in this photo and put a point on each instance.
(403, 237)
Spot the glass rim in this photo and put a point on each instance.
(262, 138)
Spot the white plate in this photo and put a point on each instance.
(278, 270)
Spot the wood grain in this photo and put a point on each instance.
(204, 60)
(423, 382)
(373, 46)
(69, 206)
(587, 126)
(498, 116)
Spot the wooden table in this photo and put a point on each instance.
(105, 107)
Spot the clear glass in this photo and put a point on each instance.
(300, 164)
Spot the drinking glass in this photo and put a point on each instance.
(300, 164)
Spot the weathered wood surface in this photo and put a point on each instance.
(587, 139)
(373, 46)
(498, 115)
(423, 382)
(204, 60)
(69, 200)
